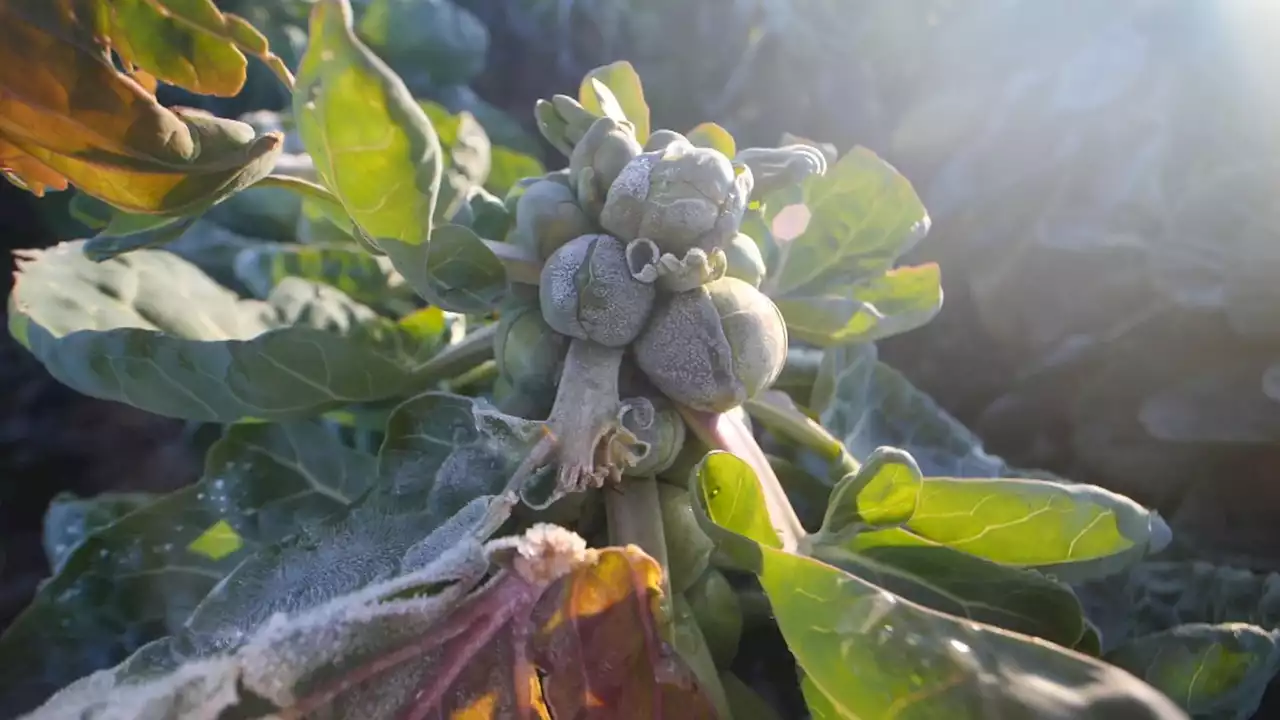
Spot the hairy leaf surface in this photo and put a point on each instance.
(139, 578)
(560, 629)
(151, 330)
(441, 483)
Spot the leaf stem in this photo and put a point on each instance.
(776, 412)
(458, 358)
(726, 431)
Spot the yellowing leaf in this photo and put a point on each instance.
(562, 631)
(219, 541)
(66, 114)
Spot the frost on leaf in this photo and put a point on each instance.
(441, 484)
(559, 630)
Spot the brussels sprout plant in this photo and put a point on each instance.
(560, 448)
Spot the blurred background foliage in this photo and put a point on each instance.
(1101, 176)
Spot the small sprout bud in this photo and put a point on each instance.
(529, 353)
(589, 291)
(662, 429)
(548, 216)
(714, 347)
(597, 160)
(681, 197)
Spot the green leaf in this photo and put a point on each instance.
(857, 220)
(372, 144)
(106, 244)
(1212, 671)
(1074, 532)
(508, 167)
(70, 519)
(455, 271)
(711, 135)
(360, 276)
(151, 330)
(868, 405)
(468, 155)
(954, 583)
(885, 492)
(622, 81)
(442, 472)
(866, 653)
(900, 300)
(140, 577)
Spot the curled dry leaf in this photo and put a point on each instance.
(68, 115)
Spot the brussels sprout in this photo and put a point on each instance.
(588, 291)
(681, 197)
(664, 434)
(713, 347)
(548, 216)
(745, 261)
(530, 354)
(715, 607)
(689, 549)
(598, 158)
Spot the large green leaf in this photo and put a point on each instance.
(865, 652)
(627, 101)
(372, 144)
(857, 220)
(367, 279)
(151, 330)
(70, 519)
(867, 405)
(139, 578)
(868, 310)
(442, 475)
(1212, 671)
(1074, 532)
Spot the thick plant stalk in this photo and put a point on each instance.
(724, 431)
(635, 518)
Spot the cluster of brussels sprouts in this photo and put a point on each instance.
(647, 288)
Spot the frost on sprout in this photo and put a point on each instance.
(713, 347)
(589, 291)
